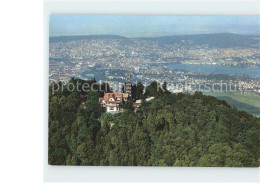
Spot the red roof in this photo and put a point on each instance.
(115, 96)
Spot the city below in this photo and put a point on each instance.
(227, 62)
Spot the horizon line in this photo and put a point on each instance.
(152, 36)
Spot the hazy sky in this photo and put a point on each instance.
(149, 26)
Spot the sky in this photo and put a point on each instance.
(151, 26)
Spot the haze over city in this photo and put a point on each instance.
(151, 26)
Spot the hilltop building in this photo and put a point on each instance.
(113, 102)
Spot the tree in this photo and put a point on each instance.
(153, 90)
(139, 91)
(164, 88)
(128, 105)
(170, 130)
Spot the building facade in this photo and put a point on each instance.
(113, 102)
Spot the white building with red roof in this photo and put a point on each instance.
(113, 102)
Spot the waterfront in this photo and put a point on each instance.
(216, 69)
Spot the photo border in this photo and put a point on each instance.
(141, 174)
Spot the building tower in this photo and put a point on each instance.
(128, 85)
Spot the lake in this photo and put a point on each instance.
(216, 69)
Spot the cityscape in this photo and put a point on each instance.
(182, 62)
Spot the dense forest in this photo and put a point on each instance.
(170, 130)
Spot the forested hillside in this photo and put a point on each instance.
(170, 130)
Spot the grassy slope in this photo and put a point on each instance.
(246, 102)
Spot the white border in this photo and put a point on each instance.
(142, 174)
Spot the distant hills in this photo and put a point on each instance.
(219, 40)
(224, 40)
(80, 37)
